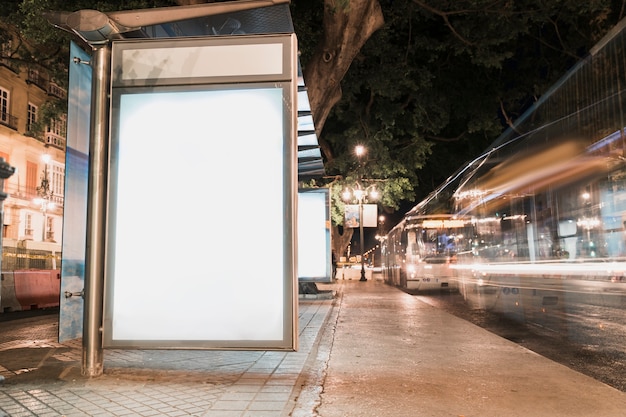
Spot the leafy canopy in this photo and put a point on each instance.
(427, 92)
(442, 80)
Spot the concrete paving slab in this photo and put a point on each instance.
(393, 355)
(42, 377)
(367, 350)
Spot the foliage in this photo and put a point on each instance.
(50, 110)
(34, 26)
(40, 43)
(443, 79)
(509, 53)
(36, 43)
(428, 91)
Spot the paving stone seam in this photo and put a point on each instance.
(305, 402)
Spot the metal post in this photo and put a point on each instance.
(44, 204)
(92, 364)
(361, 242)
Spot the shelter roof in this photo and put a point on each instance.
(243, 17)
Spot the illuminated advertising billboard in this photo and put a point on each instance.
(314, 252)
(202, 194)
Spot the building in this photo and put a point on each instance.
(34, 144)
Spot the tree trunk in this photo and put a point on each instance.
(340, 241)
(348, 24)
(346, 29)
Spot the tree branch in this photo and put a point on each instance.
(440, 139)
(444, 16)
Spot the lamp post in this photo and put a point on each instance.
(361, 196)
(44, 195)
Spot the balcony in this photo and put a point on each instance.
(9, 64)
(55, 140)
(35, 78)
(56, 91)
(58, 200)
(8, 120)
(50, 87)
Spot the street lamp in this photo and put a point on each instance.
(361, 196)
(381, 225)
(44, 195)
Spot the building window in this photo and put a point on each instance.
(33, 75)
(32, 117)
(57, 182)
(4, 105)
(28, 227)
(49, 228)
(58, 126)
(31, 179)
(5, 49)
(5, 52)
(56, 132)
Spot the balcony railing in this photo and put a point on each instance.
(55, 140)
(8, 63)
(58, 200)
(8, 120)
(55, 90)
(35, 78)
(46, 85)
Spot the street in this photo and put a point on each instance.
(586, 338)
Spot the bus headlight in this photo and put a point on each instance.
(410, 270)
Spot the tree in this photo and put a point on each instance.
(29, 40)
(425, 85)
(441, 80)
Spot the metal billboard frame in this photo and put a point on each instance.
(145, 67)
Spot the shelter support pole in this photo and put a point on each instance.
(92, 364)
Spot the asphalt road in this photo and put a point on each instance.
(585, 338)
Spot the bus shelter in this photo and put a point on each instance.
(183, 247)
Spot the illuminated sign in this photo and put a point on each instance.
(352, 215)
(199, 255)
(443, 224)
(314, 256)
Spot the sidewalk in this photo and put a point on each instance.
(393, 355)
(371, 351)
(42, 378)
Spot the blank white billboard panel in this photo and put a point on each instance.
(201, 210)
(314, 252)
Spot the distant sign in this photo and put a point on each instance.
(352, 216)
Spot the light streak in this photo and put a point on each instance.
(569, 268)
